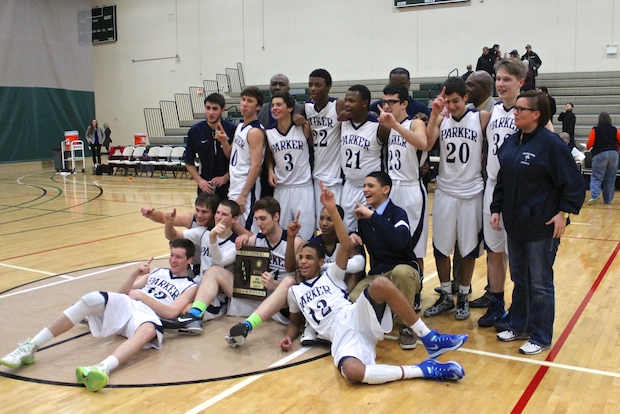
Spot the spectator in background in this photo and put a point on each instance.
(533, 61)
(486, 62)
(604, 140)
(95, 136)
(496, 52)
(578, 156)
(466, 74)
(552, 104)
(568, 119)
(107, 140)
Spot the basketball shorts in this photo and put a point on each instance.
(455, 219)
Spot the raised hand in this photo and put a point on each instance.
(147, 212)
(361, 211)
(327, 197)
(220, 135)
(294, 226)
(170, 215)
(386, 118)
(145, 268)
(439, 103)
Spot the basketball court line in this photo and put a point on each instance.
(28, 270)
(555, 350)
(245, 383)
(70, 278)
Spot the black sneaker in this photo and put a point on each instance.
(494, 313)
(237, 335)
(445, 303)
(483, 301)
(503, 323)
(180, 322)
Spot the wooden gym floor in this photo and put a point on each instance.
(63, 236)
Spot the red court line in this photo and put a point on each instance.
(78, 244)
(535, 382)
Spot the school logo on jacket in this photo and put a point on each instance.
(526, 158)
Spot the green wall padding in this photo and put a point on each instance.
(34, 120)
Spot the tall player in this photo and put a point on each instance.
(288, 164)
(355, 329)
(510, 76)
(246, 157)
(406, 154)
(458, 198)
(322, 112)
(361, 150)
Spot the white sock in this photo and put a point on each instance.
(420, 328)
(412, 371)
(108, 364)
(380, 374)
(43, 337)
(464, 290)
(446, 287)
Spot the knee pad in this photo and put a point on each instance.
(89, 303)
(93, 298)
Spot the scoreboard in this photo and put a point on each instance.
(104, 24)
(408, 3)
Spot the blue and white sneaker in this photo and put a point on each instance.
(438, 344)
(433, 369)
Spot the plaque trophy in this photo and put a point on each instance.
(250, 264)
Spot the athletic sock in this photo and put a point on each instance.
(42, 337)
(420, 328)
(446, 287)
(198, 308)
(108, 364)
(499, 296)
(253, 321)
(464, 290)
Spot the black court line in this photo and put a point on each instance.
(163, 384)
(62, 209)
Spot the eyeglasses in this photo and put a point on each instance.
(391, 102)
(519, 109)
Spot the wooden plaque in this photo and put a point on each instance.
(250, 264)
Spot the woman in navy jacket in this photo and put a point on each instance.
(538, 186)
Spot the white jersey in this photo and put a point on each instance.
(325, 128)
(404, 160)
(460, 155)
(277, 254)
(320, 300)
(164, 287)
(200, 236)
(241, 158)
(291, 156)
(361, 152)
(501, 126)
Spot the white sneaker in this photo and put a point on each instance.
(509, 335)
(309, 337)
(22, 355)
(533, 349)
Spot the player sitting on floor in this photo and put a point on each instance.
(134, 312)
(355, 329)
